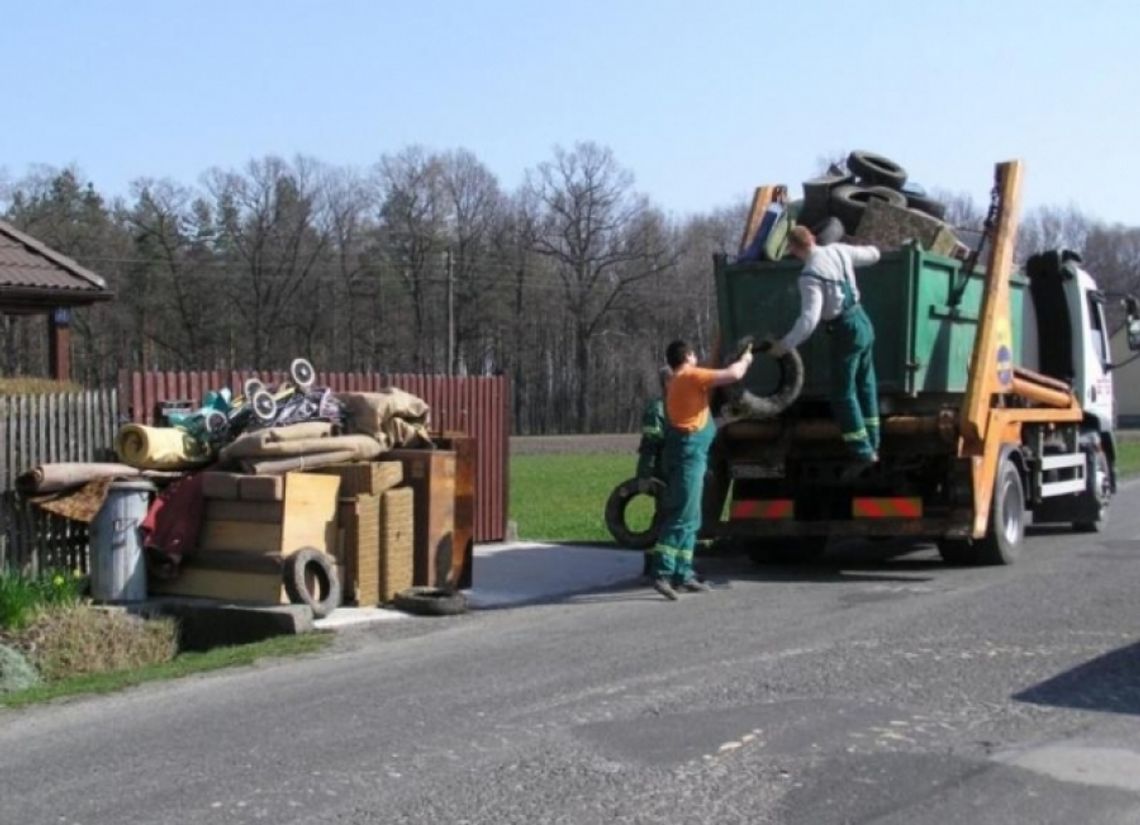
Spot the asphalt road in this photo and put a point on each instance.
(874, 688)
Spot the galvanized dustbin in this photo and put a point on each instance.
(118, 570)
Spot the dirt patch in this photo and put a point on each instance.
(621, 443)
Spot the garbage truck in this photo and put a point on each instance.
(996, 398)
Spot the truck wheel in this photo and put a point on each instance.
(876, 170)
(616, 506)
(1006, 533)
(1102, 491)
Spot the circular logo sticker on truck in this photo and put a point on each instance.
(1004, 366)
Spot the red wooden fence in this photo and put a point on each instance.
(476, 406)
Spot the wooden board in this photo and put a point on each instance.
(466, 460)
(365, 477)
(397, 542)
(240, 536)
(360, 519)
(220, 486)
(310, 513)
(224, 585)
(431, 474)
(261, 512)
(261, 488)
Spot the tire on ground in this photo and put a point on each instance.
(848, 202)
(431, 601)
(310, 578)
(616, 506)
(876, 170)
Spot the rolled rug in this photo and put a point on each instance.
(51, 478)
(159, 448)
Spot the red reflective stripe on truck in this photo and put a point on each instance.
(763, 509)
(886, 508)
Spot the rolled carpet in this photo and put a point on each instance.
(51, 478)
(159, 448)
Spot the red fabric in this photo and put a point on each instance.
(170, 529)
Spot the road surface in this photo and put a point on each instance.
(877, 687)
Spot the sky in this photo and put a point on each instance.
(702, 101)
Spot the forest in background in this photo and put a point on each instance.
(571, 284)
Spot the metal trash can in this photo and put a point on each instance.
(118, 569)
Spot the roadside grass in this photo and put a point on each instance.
(563, 497)
(185, 664)
(1128, 457)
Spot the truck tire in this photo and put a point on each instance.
(617, 503)
(1101, 494)
(828, 231)
(876, 170)
(1006, 534)
(310, 578)
(848, 203)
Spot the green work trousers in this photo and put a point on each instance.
(854, 393)
(686, 459)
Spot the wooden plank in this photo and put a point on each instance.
(240, 536)
(310, 513)
(761, 199)
(259, 512)
(225, 585)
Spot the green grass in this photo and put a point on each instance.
(1127, 457)
(563, 497)
(183, 665)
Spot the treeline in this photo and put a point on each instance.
(571, 285)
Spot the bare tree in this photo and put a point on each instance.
(601, 237)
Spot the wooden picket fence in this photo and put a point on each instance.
(39, 429)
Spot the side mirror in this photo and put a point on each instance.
(1132, 308)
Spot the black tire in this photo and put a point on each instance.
(1006, 534)
(817, 192)
(741, 403)
(431, 601)
(876, 170)
(1100, 495)
(848, 203)
(828, 231)
(616, 506)
(310, 578)
(929, 206)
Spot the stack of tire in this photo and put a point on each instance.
(834, 203)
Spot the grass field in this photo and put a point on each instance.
(562, 497)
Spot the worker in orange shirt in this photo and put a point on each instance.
(688, 435)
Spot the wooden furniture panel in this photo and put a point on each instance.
(431, 474)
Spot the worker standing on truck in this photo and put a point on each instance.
(828, 291)
(688, 436)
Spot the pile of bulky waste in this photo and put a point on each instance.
(870, 201)
(294, 425)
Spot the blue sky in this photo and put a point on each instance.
(701, 100)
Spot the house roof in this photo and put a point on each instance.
(33, 275)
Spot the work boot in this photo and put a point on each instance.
(694, 585)
(663, 587)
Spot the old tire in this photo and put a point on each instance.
(928, 206)
(1006, 534)
(431, 601)
(876, 170)
(616, 506)
(310, 578)
(848, 203)
(741, 403)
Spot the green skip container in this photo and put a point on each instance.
(924, 309)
